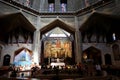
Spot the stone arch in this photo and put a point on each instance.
(116, 51)
(108, 59)
(6, 60)
(92, 54)
(56, 23)
(23, 57)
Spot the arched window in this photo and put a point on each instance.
(6, 61)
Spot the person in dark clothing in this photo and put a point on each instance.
(13, 74)
(22, 74)
(33, 71)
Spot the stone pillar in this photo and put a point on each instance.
(112, 56)
(36, 43)
(1, 55)
(78, 43)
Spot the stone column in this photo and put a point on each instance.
(103, 58)
(1, 55)
(36, 43)
(103, 62)
(112, 56)
(78, 42)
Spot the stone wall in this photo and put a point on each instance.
(44, 20)
(71, 5)
(47, 20)
(10, 49)
(5, 9)
(112, 9)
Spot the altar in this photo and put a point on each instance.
(58, 62)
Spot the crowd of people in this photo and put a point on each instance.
(80, 69)
(22, 71)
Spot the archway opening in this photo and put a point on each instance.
(108, 59)
(6, 61)
(57, 43)
(116, 52)
(93, 55)
(23, 57)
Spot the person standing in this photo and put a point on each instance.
(98, 69)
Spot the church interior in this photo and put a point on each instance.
(60, 33)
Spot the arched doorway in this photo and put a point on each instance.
(6, 61)
(108, 59)
(57, 42)
(116, 51)
(92, 54)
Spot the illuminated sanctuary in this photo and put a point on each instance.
(65, 32)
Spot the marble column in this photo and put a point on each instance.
(78, 42)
